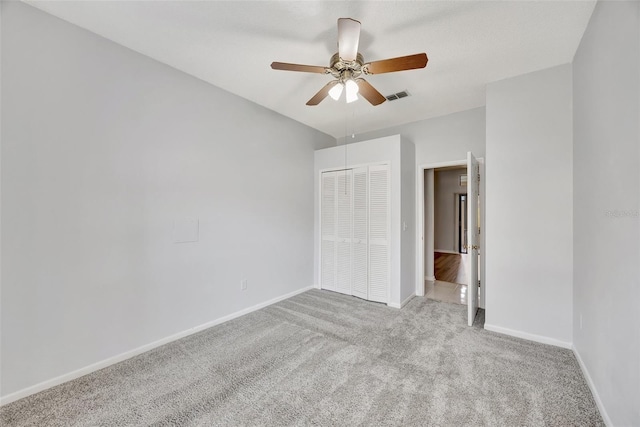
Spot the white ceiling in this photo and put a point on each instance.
(231, 44)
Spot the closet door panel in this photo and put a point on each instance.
(328, 231)
(379, 224)
(360, 234)
(344, 230)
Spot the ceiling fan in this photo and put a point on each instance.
(347, 66)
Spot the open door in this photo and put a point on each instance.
(473, 186)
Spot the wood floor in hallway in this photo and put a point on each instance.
(450, 267)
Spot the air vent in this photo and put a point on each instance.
(398, 95)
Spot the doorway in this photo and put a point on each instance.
(429, 253)
(450, 236)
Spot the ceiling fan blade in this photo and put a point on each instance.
(370, 93)
(401, 63)
(348, 38)
(297, 67)
(322, 93)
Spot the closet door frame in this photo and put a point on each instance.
(319, 200)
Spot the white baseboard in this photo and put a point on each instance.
(407, 300)
(528, 336)
(403, 303)
(446, 251)
(592, 386)
(136, 351)
(430, 278)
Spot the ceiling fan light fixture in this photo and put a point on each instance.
(336, 91)
(352, 91)
(348, 64)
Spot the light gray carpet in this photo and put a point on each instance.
(326, 359)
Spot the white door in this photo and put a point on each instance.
(344, 230)
(360, 245)
(473, 185)
(379, 222)
(328, 231)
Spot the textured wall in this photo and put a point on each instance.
(104, 153)
(606, 218)
(529, 205)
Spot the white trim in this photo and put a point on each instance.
(403, 303)
(136, 351)
(592, 386)
(430, 278)
(317, 210)
(482, 200)
(439, 165)
(528, 336)
(407, 300)
(446, 251)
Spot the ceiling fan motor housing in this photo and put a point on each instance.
(344, 70)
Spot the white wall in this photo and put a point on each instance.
(447, 188)
(440, 139)
(102, 150)
(529, 207)
(606, 219)
(408, 250)
(383, 150)
(0, 196)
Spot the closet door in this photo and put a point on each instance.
(344, 230)
(360, 234)
(379, 224)
(328, 231)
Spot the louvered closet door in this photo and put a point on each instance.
(360, 234)
(344, 230)
(328, 231)
(379, 224)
